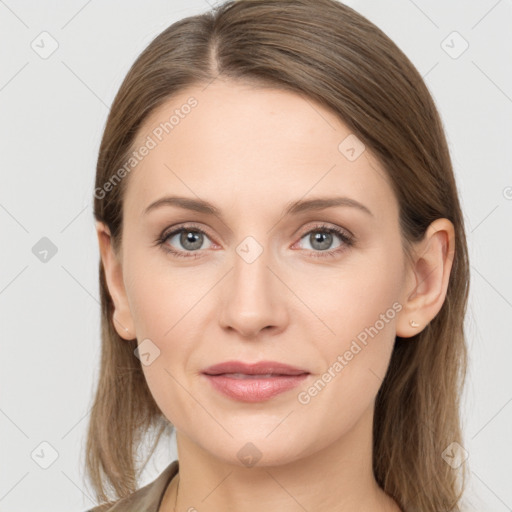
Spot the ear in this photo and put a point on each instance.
(122, 317)
(427, 279)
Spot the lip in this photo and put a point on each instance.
(253, 382)
(259, 368)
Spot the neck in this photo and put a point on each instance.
(337, 478)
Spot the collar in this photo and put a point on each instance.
(149, 497)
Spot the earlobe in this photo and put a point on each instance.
(122, 318)
(123, 331)
(428, 278)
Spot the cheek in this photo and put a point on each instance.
(160, 297)
(165, 305)
(359, 307)
(353, 299)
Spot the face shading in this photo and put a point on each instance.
(259, 229)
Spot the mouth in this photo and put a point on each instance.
(251, 376)
(262, 368)
(254, 382)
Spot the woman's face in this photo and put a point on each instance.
(266, 281)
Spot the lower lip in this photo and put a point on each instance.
(254, 389)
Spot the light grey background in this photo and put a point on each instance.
(52, 113)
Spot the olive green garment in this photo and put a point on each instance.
(147, 498)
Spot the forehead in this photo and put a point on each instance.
(230, 142)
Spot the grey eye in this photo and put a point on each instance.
(320, 240)
(189, 239)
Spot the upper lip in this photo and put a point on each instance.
(261, 367)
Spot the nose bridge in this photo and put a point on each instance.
(253, 297)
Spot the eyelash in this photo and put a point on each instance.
(347, 239)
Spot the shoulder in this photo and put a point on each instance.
(146, 498)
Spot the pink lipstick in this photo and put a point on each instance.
(254, 382)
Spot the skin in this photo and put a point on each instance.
(250, 151)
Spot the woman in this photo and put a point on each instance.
(283, 272)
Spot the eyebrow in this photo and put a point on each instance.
(295, 207)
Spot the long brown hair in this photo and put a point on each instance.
(330, 53)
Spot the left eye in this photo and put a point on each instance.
(321, 239)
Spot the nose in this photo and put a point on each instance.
(253, 299)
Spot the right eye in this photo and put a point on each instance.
(190, 238)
